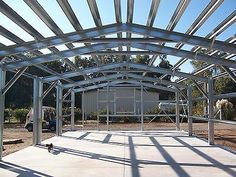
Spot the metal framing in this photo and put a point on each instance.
(154, 42)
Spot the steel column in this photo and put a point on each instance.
(108, 107)
(141, 107)
(190, 111)
(72, 120)
(82, 106)
(2, 106)
(97, 109)
(37, 113)
(210, 101)
(59, 109)
(177, 111)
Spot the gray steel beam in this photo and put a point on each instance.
(66, 94)
(205, 14)
(84, 71)
(177, 112)
(14, 16)
(13, 80)
(156, 80)
(182, 93)
(72, 119)
(124, 53)
(37, 113)
(200, 89)
(117, 6)
(130, 81)
(2, 107)
(177, 14)
(230, 73)
(210, 101)
(65, 6)
(59, 55)
(114, 76)
(51, 86)
(190, 111)
(130, 12)
(124, 40)
(59, 109)
(152, 13)
(91, 33)
(95, 13)
(212, 6)
(180, 37)
(141, 99)
(92, 81)
(43, 15)
(186, 54)
(124, 64)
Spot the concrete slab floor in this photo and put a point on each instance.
(121, 154)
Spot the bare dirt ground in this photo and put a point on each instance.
(224, 134)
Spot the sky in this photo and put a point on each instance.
(107, 14)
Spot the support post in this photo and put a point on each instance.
(141, 107)
(210, 101)
(72, 120)
(134, 102)
(82, 109)
(59, 109)
(97, 109)
(108, 107)
(190, 111)
(2, 106)
(177, 111)
(37, 111)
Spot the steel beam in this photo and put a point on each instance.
(51, 86)
(82, 108)
(165, 71)
(84, 71)
(124, 40)
(95, 13)
(94, 80)
(156, 80)
(141, 108)
(60, 55)
(200, 89)
(107, 101)
(205, 14)
(230, 73)
(2, 107)
(152, 13)
(13, 80)
(65, 6)
(59, 109)
(177, 111)
(210, 111)
(183, 4)
(130, 12)
(190, 111)
(37, 113)
(186, 54)
(180, 37)
(72, 119)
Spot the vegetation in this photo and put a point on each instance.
(221, 86)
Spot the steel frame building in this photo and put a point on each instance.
(95, 43)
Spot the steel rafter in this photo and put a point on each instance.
(122, 65)
(114, 76)
(43, 15)
(120, 81)
(218, 30)
(18, 40)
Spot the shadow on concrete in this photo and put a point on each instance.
(215, 163)
(170, 160)
(133, 159)
(21, 171)
(83, 136)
